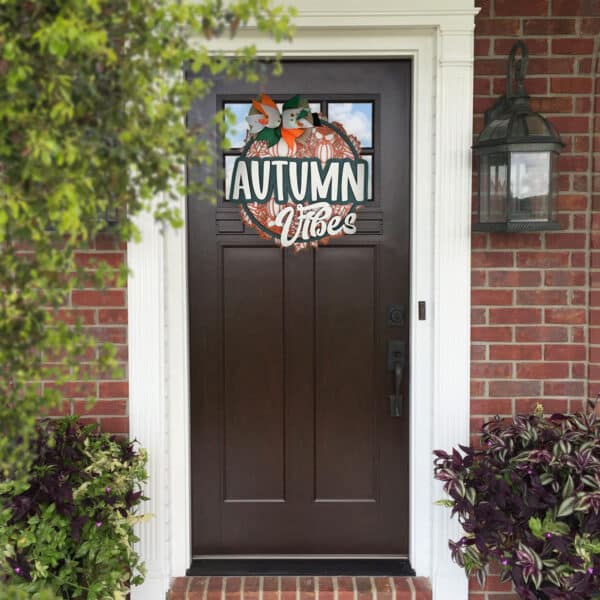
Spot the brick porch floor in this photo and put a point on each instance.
(300, 588)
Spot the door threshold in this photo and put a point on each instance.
(386, 567)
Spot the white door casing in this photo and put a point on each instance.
(439, 41)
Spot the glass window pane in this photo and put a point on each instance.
(357, 119)
(236, 135)
(493, 188)
(529, 185)
(536, 125)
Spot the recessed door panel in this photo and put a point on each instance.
(345, 419)
(254, 398)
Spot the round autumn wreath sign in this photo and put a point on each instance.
(299, 179)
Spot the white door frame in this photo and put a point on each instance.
(439, 41)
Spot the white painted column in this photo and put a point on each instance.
(452, 257)
(178, 397)
(147, 409)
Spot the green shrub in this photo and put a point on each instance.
(70, 527)
(15, 592)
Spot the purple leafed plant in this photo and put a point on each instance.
(529, 499)
(69, 528)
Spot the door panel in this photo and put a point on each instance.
(345, 457)
(294, 449)
(252, 317)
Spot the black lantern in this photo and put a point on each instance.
(518, 153)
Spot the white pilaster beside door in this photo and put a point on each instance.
(452, 268)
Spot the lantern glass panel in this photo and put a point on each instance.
(530, 186)
(536, 125)
(493, 171)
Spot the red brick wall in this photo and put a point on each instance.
(104, 314)
(535, 328)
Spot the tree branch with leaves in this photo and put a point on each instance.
(92, 132)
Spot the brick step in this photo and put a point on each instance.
(300, 588)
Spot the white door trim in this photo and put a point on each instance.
(440, 44)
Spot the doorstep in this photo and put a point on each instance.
(300, 588)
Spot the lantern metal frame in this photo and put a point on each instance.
(506, 133)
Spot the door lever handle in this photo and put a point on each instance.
(396, 399)
(396, 366)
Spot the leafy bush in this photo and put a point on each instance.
(530, 500)
(70, 527)
(15, 592)
(93, 129)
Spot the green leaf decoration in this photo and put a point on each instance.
(293, 102)
(304, 113)
(271, 136)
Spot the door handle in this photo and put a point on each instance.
(395, 363)
(396, 399)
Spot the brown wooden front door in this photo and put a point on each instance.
(294, 448)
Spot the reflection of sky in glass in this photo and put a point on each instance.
(237, 132)
(529, 174)
(357, 119)
(229, 162)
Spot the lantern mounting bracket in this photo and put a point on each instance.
(515, 77)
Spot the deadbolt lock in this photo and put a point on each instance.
(395, 316)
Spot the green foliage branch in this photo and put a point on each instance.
(92, 107)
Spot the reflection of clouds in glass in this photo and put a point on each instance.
(236, 134)
(356, 117)
(229, 162)
(529, 174)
